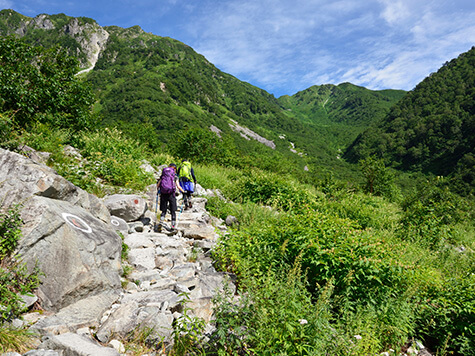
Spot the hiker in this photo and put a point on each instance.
(166, 187)
(187, 174)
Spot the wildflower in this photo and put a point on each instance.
(358, 337)
(303, 321)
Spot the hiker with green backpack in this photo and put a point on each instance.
(166, 187)
(187, 175)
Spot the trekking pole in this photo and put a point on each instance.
(178, 217)
(156, 202)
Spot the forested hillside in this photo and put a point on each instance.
(432, 129)
(153, 87)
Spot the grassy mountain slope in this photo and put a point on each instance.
(342, 111)
(432, 129)
(152, 87)
(345, 103)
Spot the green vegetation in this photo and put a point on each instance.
(15, 280)
(349, 265)
(432, 128)
(38, 85)
(323, 266)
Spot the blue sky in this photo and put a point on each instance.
(284, 46)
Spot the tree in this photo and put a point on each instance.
(39, 85)
(379, 179)
(201, 146)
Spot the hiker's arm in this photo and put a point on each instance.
(177, 183)
(158, 185)
(193, 175)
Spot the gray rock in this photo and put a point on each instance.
(142, 258)
(134, 314)
(28, 300)
(136, 226)
(201, 233)
(128, 207)
(138, 241)
(78, 253)
(77, 345)
(153, 298)
(119, 224)
(22, 178)
(231, 220)
(36, 156)
(43, 353)
(72, 152)
(84, 313)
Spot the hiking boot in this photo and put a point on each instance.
(173, 224)
(189, 205)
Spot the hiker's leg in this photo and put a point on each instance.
(188, 193)
(185, 199)
(163, 206)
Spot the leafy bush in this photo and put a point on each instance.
(40, 85)
(14, 277)
(362, 267)
(278, 191)
(379, 179)
(8, 135)
(447, 315)
(277, 317)
(430, 213)
(201, 146)
(115, 158)
(366, 210)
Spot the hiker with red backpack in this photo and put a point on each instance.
(166, 187)
(187, 182)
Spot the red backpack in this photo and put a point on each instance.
(167, 181)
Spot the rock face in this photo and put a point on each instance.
(21, 178)
(78, 253)
(73, 236)
(66, 231)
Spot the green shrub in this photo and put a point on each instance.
(15, 280)
(202, 146)
(430, 213)
(447, 315)
(271, 189)
(366, 210)
(40, 85)
(277, 317)
(116, 159)
(363, 268)
(8, 134)
(379, 178)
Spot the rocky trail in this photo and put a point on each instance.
(92, 299)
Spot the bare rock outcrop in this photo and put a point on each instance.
(66, 232)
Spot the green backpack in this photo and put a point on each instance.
(185, 170)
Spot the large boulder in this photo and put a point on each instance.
(67, 232)
(78, 253)
(21, 178)
(128, 207)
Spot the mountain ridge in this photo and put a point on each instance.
(141, 78)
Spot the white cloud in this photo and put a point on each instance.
(285, 46)
(395, 11)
